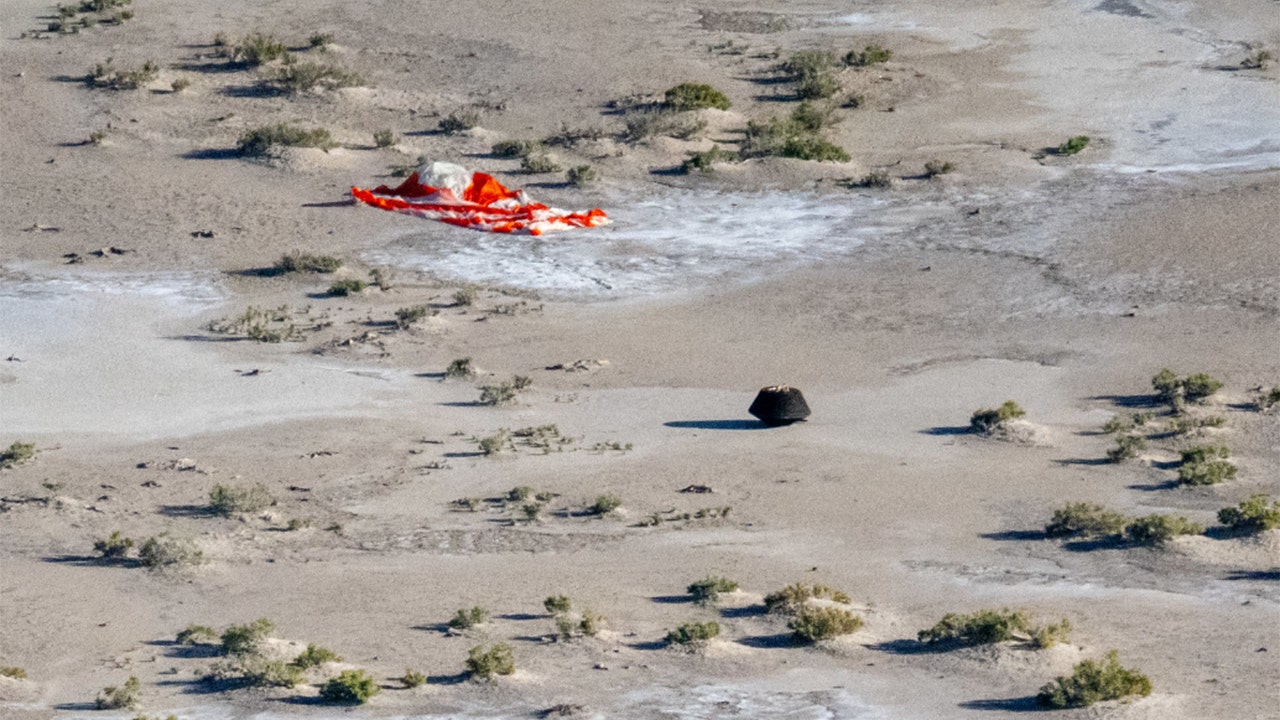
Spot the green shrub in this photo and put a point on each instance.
(503, 393)
(875, 180)
(460, 369)
(1086, 521)
(514, 148)
(351, 687)
(870, 55)
(180, 84)
(263, 672)
(485, 664)
(319, 40)
(604, 505)
(589, 623)
(242, 640)
(227, 500)
(114, 548)
(16, 673)
(315, 656)
(1257, 60)
(693, 96)
(1253, 515)
(163, 552)
(1267, 399)
(1205, 465)
(1199, 386)
(197, 635)
(981, 628)
(1071, 146)
(293, 78)
(467, 619)
(934, 168)
(1043, 638)
(460, 121)
(644, 124)
(820, 623)
(407, 316)
(257, 49)
(693, 634)
(125, 696)
(581, 176)
(537, 163)
(384, 138)
(343, 288)
(1093, 681)
(262, 140)
(495, 443)
(811, 70)
(702, 161)
(793, 598)
(305, 262)
(464, 297)
(789, 137)
(413, 679)
(555, 604)
(987, 421)
(103, 76)
(1159, 529)
(1127, 448)
(707, 590)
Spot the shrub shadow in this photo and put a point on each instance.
(1092, 544)
(76, 706)
(186, 652)
(264, 272)
(456, 679)
(769, 642)
(1126, 401)
(251, 91)
(673, 599)
(744, 612)
(522, 616)
(311, 701)
(213, 154)
(1020, 704)
(948, 430)
(717, 424)
(432, 375)
(905, 646)
(1154, 487)
(1084, 461)
(186, 511)
(1017, 535)
(461, 403)
(1272, 575)
(433, 627)
(648, 645)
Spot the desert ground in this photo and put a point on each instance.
(387, 496)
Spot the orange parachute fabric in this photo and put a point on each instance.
(448, 193)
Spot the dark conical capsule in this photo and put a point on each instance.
(779, 405)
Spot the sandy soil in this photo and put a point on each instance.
(1062, 282)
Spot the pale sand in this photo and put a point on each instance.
(897, 312)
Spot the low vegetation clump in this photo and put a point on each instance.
(180, 84)
(407, 316)
(581, 176)
(259, 324)
(704, 160)
(875, 180)
(987, 421)
(812, 73)
(793, 598)
(708, 590)
(1121, 424)
(1127, 447)
(315, 656)
(1252, 516)
(105, 77)
(643, 124)
(248, 639)
(227, 500)
(384, 138)
(412, 678)
(17, 453)
(1159, 529)
(694, 96)
(984, 627)
(293, 78)
(263, 672)
(794, 136)
(459, 121)
(1176, 391)
(14, 672)
(297, 261)
(256, 49)
(349, 286)
(556, 604)
(197, 635)
(1093, 681)
(504, 393)
(870, 55)
(1073, 145)
(163, 552)
(514, 148)
(120, 697)
(485, 664)
(1257, 60)
(263, 140)
(467, 619)
(114, 548)
(496, 443)
(693, 635)
(538, 163)
(814, 624)
(460, 369)
(934, 168)
(570, 625)
(1085, 521)
(351, 687)
(1205, 465)
(604, 505)
(319, 40)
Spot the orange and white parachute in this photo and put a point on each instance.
(448, 193)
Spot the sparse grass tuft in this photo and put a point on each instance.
(1252, 516)
(293, 78)
(538, 162)
(305, 262)
(412, 679)
(1094, 681)
(227, 500)
(351, 687)
(495, 443)
(485, 664)
(17, 453)
(260, 141)
(934, 168)
(707, 590)
(163, 552)
(876, 179)
(870, 55)
(14, 672)
(646, 123)
(460, 369)
(703, 161)
(503, 393)
(582, 176)
(384, 138)
(459, 120)
(1073, 145)
(815, 624)
(104, 77)
(180, 84)
(407, 316)
(257, 49)
(1127, 448)
(694, 96)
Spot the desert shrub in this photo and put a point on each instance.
(536, 163)
(180, 84)
(350, 286)
(1159, 529)
(263, 672)
(164, 552)
(1093, 681)
(262, 140)
(983, 627)
(811, 71)
(589, 623)
(604, 505)
(1205, 465)
(460, 120)
(514, 148)
(120, 697)
(412, 679)
(1267, 399)
(17, 454)
(16, 673)
(1199, 386)
(1127, 448)
(320, 39)
(306, 262)
(227, 500)
(1257, 60)
(495, 443)
(792, 598)
(242, 640)
(694, 634)
(702, 161)
(876, 180)
(197, 635)
(1043, 638)
(485, 664)
(1253, 515)
(693, 96)
(1073, 145)
(351, 687)
(460, 369)
(293, 78)
(464, 297)
(987, 421)
(503, 393)
(870, 55)
(789, 137)
(707, 590)
(811, 117)
(257, 49)
(113, 548)
(820, 623)
(296, 524)
(557, 604)
(1185, 424)
(581, 176)
(103, 76)
(1085, 520)
(384, 138)
(407, 316)
(1117, 423)
(934, 168)
(315, 656)
(467, 619)
(643, 124)
(571, 137)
